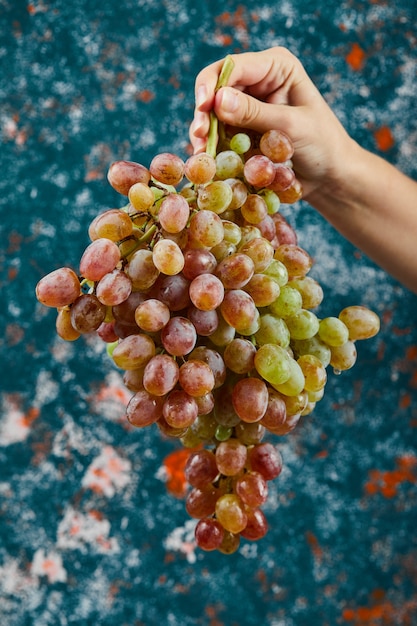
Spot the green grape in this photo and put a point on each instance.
(288, 303)
(240, 143)
(272, 362)
(302, 325)
(294, 385)
(333, 331)
(273, 330)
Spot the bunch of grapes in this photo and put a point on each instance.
(201, 292)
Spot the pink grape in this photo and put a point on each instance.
(231, 457)
(87, 313)
(178, 336)
(250, 399)
(167, 168)
(196, 377)
(174, 213)
(201, 468)
(58, 288)
(123, 174)
(259, 171)
(152, 315)
(99, 258)
(114, 288)
(144, 409)
(160, 375)
(266, 459)
(209, 534)
(206, 292)
(180, 409)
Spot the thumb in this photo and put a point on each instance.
(237, 108)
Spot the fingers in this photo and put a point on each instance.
(273, 76)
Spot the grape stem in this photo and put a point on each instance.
(214, 129)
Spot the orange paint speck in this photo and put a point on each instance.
(387, 482)
(356, 57)
(145, 95)
(174, 465)
(384, 138)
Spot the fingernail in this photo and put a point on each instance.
(201, 95)
(230, 101)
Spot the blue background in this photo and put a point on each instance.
(89, 533)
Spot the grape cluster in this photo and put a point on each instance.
(202, 294)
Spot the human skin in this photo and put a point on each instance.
(367, 199)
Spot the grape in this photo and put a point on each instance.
(343, 357)
(265, 459)
(297, 261)
(284, 232)
(123, 174)
(167, 257)
(288, 303)
(259, 171)
(276, 145)
(272, 362)
(215, 196)
(254, 209)
(283, 179)
(263, 290)
(293, 193)
(252, 489)
(167, 168)
(205, 322)
(230, 543)
(239, 355)
(142, 270)
(314, 372)
(230, 513)
(360, 321)
(178, 336)
(224, 411)
(238, 309)
(174, 213)
(333, 331)
(172, 291)
(113, 224)
(303, 324)
(144, 409)
(99, 258)
(272, 330)
(160, 375)
(58, 288)
(239, 193)
(152, 315)
(180, 409)
(235, 270)
(206, 228)
(201, 502)
(231, 232)
(201, 468)
(114, 288)
(141, 196)
(310, 290)
(250, 399)
(294, 384)
(240, 143)
(231, 457)
(276, 411)
(256, 525)
(260, 251)
(198, 262)
(209, 534)
(63, 325)
(134, 351)
(214, 360)
(206, 292)
(228, 165)
(249, 433)
(87, 313)
(200, 168)
(196, 377)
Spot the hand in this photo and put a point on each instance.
(271, 89)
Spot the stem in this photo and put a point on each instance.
(222, 81)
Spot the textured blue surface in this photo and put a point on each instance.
(88, 532)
